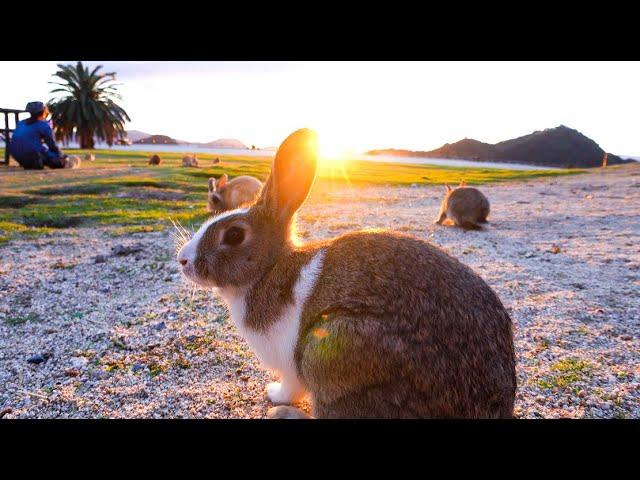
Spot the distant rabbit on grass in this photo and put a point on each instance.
(72, 161)
(465, 207)
(190, 161)
(154, 160)
(369, 324)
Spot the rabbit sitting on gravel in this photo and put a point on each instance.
(370, 324)
(464, 206)
(226, 195)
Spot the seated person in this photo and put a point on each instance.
(26, 144)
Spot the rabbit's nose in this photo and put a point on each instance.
(183, 261)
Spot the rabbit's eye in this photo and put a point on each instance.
(233, 236)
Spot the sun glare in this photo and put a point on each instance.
(330, 156)
(332, 161)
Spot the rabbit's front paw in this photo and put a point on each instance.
(284, 412)
(280, 393)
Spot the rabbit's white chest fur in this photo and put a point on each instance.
(275, 347)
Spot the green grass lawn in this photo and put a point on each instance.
(119, 189)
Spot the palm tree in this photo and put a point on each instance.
(88, 109)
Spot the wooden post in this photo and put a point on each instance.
(605, 159)
(6, 138)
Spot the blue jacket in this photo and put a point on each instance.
(27, 139)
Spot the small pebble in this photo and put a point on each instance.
(122, 250)
(78, 362)
(99, 374)
(5, 411)
(37, 359)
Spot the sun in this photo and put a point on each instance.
(333, 162)
(332, 156)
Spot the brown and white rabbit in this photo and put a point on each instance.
(154, 160)
(466, 207)
(227, 195)
(370, 324)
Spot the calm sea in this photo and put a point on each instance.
(369, 158)
(270, 153)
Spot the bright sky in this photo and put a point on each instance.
(364, 105)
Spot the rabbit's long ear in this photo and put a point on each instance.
(449, 189)
(212, 185)
(292, 175)
(222, 181)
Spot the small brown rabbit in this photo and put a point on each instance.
(72, 161)
(370, 324)
(189, 161)
(154, 160)
(226, 195)
(466, 207)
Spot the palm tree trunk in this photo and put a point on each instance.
(86, 141)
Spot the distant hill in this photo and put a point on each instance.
(135, 135)
(560, 146)
(156, 140)
(553, 147)
(225, 143)
(468, 148)
(143, 138)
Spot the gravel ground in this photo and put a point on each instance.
(91, 329)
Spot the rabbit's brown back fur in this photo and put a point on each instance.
(438, 346)
(466, 207)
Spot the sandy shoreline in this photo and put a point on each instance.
(127, 338)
